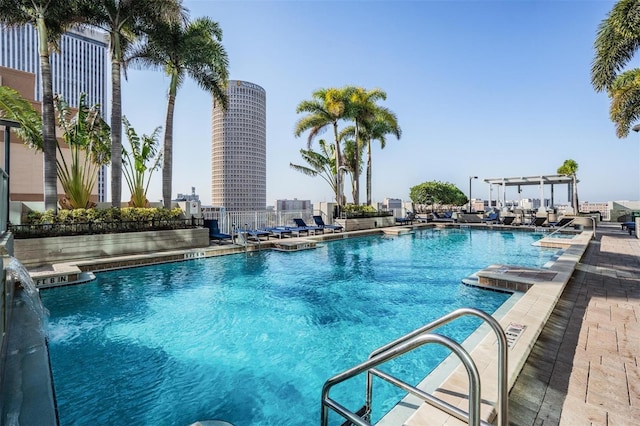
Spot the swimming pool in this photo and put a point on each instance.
(251, 338)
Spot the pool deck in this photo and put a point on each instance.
(583, 363)
(585, 366)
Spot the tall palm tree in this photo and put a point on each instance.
(50, 18)
(361, 108)
(570, 168)
(384, 123)
(124, 20)
(326, 108)
(616, 43)
(182, 49)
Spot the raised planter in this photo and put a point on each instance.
(44, 251)
(357, 224)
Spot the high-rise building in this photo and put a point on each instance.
(239, 144)
(80, 66)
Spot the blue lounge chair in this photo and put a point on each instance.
(443, 217)
(278, 231)
(301, 226)
(214, 231)
(493, 217)
(630, 226)
(408, 219)
(319, 222)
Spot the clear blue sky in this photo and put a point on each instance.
(485, 88)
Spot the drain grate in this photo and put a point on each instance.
(513, 332)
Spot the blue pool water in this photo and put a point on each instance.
(251, 338)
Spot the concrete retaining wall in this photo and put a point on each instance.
(358, 224)
(42, 251)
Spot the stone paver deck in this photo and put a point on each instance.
(585, 367)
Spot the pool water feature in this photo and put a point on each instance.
(250, 339)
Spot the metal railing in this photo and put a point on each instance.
(409, 342)
(230, 221)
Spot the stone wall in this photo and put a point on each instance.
(42, 251)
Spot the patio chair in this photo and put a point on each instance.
(214, 231)
(562, 222)
(508, 220)
(493, 217)
(409, 218)
(278, 231)
(443, 217)
(301, 226)
(630, 226)
(320, 222)
(538, 221)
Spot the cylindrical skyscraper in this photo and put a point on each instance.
(238, 155)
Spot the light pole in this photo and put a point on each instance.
(470, 179)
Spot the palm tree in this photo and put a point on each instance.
(326, 108)
(361, 108)
(353, 161)
(625, 101)
(50, 18)
(124, 20)
(192, 49)
(384, 123)
(617, 41)
(319, 164)
(570, 168)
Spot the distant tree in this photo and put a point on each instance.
(319, 164)
(570, 168)
(616, 43)
(435, 192)
(181, 50)
(50, 19)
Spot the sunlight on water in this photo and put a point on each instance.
(251, 339)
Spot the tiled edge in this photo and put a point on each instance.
(532, 310)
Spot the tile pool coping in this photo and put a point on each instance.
(532, 309)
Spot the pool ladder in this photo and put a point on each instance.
(409, 342)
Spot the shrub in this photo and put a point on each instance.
(111, 214)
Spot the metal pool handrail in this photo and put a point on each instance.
(413, 340)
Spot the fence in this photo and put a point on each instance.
(228, 222)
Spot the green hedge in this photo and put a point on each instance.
(127, 214)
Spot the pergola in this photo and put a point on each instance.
(541, 180)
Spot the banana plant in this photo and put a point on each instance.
(88, 138)
(144, 150)
(84, 133)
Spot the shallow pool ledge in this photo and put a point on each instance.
(530, 313)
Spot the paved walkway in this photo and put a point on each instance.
(585, 366)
